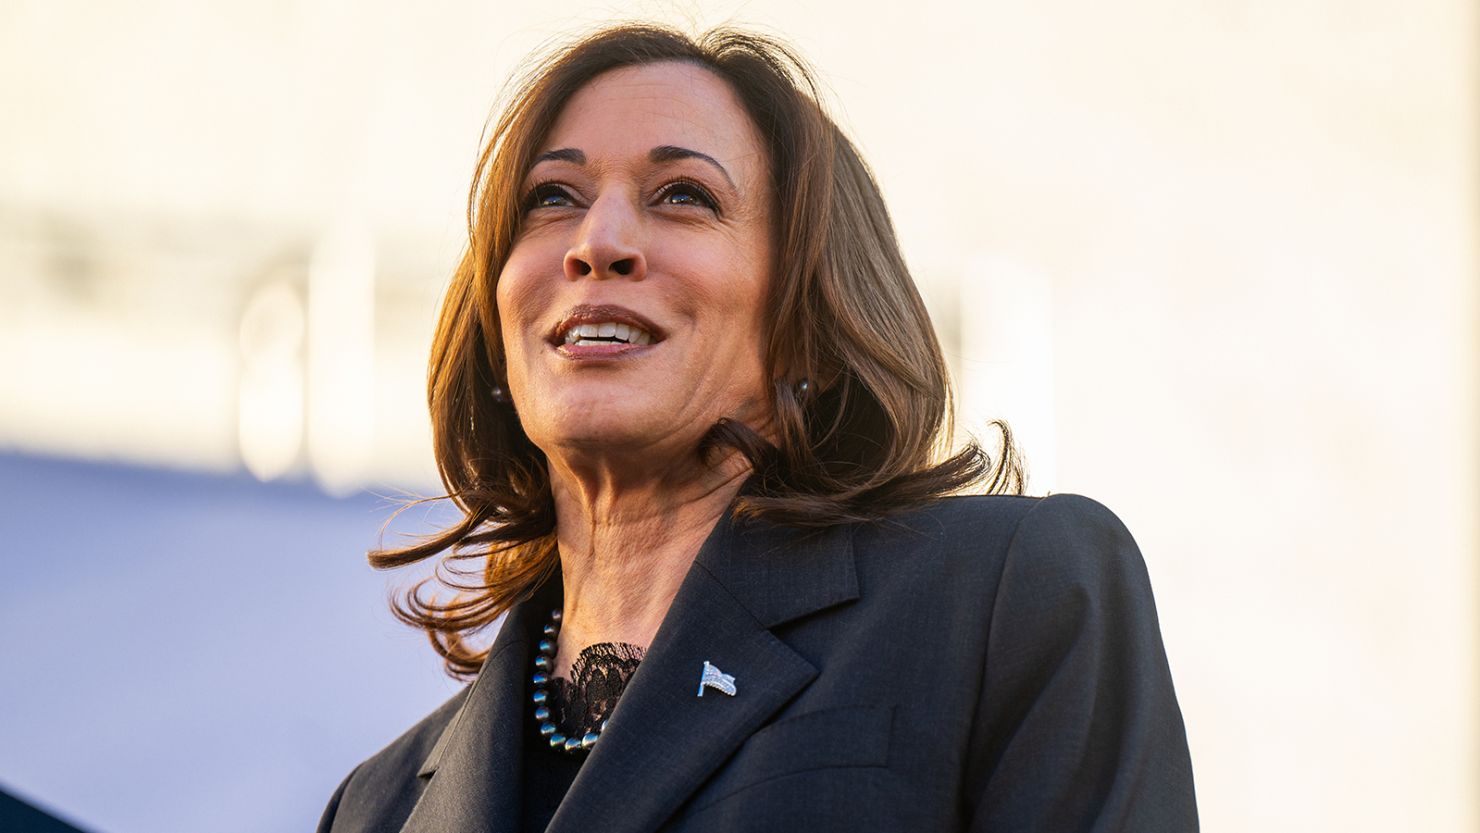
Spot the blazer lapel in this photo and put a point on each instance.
(663, 739)
(476, 766)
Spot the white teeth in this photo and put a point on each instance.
(607, 330)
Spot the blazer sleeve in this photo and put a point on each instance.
(1077, 725)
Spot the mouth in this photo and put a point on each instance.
(597, 326)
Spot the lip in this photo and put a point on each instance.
(597, 314)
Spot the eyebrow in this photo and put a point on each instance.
(670, 153)
(562, 155)
(661, 153)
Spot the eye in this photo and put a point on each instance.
(547, 195)
(683, 192)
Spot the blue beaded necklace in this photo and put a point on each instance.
(544, 666)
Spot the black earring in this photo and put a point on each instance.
(499, 394)
(803, 388)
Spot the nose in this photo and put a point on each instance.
(608, 242)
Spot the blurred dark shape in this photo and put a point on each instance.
(20, 816)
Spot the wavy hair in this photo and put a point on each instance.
(869, 435)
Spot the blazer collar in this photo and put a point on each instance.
(662, 740)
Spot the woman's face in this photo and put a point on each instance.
(632, 301)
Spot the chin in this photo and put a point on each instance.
(633, 430)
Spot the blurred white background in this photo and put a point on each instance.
(1217, 263)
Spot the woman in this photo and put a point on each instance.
(690, 402)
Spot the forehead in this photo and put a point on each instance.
(624, 113)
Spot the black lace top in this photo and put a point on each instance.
(599, 674)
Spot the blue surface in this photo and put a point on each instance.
(186, 652)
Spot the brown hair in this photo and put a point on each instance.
(864, 438)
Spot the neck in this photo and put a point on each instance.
(626, 544)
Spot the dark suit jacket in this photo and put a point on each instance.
(983, 664)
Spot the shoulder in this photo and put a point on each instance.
(1068, 526)
(974, 546)
(1070, 540)
(1071, 516)
(1071, 571)
(386, 785)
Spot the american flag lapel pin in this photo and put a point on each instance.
(715, 678)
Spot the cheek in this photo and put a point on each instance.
(519, 298)
(733, 290)
(507, 297)
(753, 290)
(516, 305)
(746, 324)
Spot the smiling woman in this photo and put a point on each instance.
(692, 407)
(634, 220)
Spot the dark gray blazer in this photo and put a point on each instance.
(984, 664)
